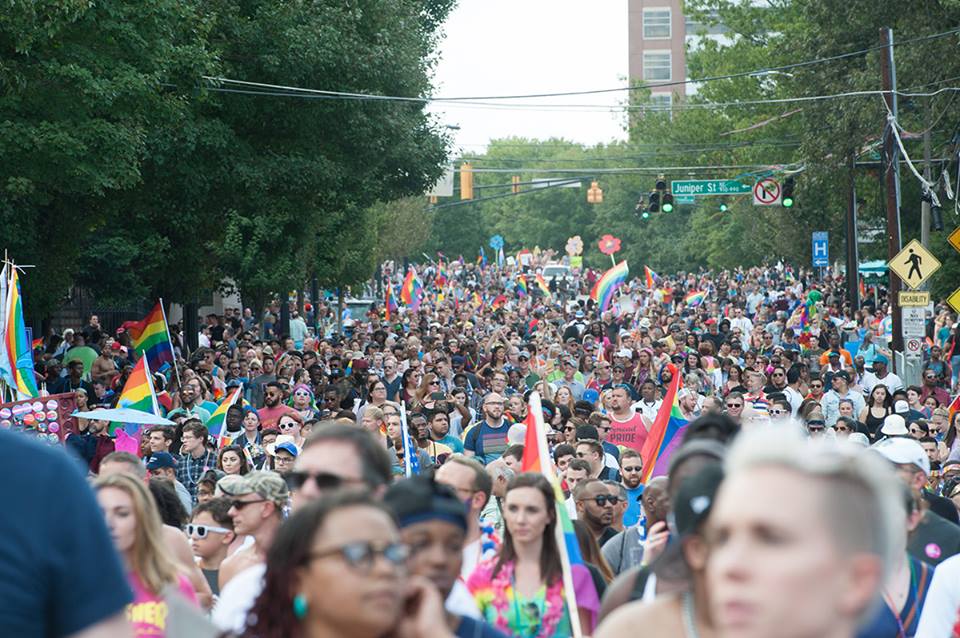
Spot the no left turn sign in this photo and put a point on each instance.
(766, 192)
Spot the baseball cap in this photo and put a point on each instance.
(287, 446)
(901, 407)
(694, 498)
(626, 353)
(903, 451)
(842, 374)
(880, 359)
(419, 499)
(457, 360)
(524, 355)
(833, 353)
(264, 483)
(159, 460)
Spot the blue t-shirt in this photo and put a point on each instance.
(59, 571)
(632, 514)
(487, 443)
(884, 623)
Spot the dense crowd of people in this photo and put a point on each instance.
(368, 480)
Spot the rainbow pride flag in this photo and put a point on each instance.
(477, 299)
(651, 277)
(217, 423)
(542, 285)
(16, 353)
(498, 301)
(953, 408)
(666, 433)
(151, 339)
(389, 303)
(695, 298)
(521, 286)
(138, 392)
(603, 290)
(411, 292)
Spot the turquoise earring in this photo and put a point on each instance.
(300, 606)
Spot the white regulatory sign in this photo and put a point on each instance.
(914, 321)
(913, 347)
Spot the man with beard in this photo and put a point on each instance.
(420, 431)
(190, 398)
(487, 440)
(628, 427)
(440, 432)
(91, 442)
(273, 408)
(595, 508)
(258, 383)
(631, 477)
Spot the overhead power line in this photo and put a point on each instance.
(349, 95)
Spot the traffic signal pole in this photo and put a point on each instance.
(891, 172)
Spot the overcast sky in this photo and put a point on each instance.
(509, 47)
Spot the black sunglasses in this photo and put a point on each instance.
(602, 499)
(238, 505)
(323, 480)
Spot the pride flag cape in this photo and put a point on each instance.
(536, 458)
(603, 290)
(651, 277)
(217, 423)
(411, 293)
(666, 434)
(522, 286)
(138, 392)
(695, 298)
(151, 339)
(542, 285)
(411, 458)
(16, 353)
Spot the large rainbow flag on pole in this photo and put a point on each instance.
(603, 290)
(542, 285)
(151, 339)
(666, 434)
(411, 293)
(138, 392)
(16, 353)
(536, 458)
(651, 277)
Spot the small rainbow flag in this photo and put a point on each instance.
(603, 290)
(477, 299)
(138, 392)
(542, 285)
(695, 298)
(521, 286)
(38, 343)
(16, 353)
(389, 303)
(953, 408)
(666, 433)
(498, 301)
(151, 338)
(218, 420)
(441, 279)
(411, 293)
(651, 277)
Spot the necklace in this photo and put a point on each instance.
(689, 622)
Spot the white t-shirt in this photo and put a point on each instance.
(943, 599)
(237, 598)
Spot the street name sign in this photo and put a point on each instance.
(702, 187)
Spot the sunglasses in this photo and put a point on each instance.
(360, 555)
(778, 412)
(842, 428)
(238, 505)
(201, 531)
(734, 405)
(631, 469)
(603, 499)
(288, 425)
(301, 393)
(322, 480)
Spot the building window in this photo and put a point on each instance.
(660, 102)
(657, 66)
(656, 23)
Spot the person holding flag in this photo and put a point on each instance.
(537, 584)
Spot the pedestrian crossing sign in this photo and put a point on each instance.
(914, 264)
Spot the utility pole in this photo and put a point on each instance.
(891, 172)
(853, 256)
(925, 203)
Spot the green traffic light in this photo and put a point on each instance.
(787, 202)
(723, 208)
(646, 215)
(667, 207)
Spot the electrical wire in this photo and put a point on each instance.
(468, 99)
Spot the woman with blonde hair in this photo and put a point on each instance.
(137, 532)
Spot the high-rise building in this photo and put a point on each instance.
(658, 36)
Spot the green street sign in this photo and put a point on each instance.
(703, 187)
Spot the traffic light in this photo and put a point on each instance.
(515, 180)
(661, 184)
(667, 203)
(466, 181)
(654, 206)
(642, 211)
(788, 186)
(723, 208)
(936, 212)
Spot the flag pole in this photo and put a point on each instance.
(546, 467)
(166, 326)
